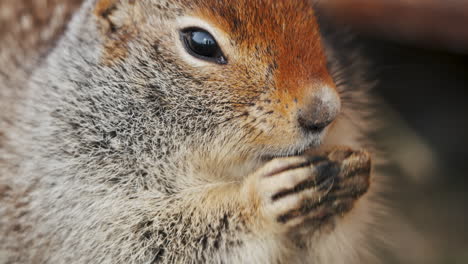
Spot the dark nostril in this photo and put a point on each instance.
(318, 110)
(313, 125)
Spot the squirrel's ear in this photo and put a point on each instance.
(113, 15)
(115, 22)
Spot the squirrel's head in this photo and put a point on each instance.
(229, 80)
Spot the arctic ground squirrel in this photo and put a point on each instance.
(181, 131)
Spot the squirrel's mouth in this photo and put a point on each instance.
(269, 157)
(248, 164)
(309, 144)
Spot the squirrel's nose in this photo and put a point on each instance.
(319, 110)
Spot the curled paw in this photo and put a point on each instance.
(310, 189)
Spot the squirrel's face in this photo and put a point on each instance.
(250, 75)
(268, 56)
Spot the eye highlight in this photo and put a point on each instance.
(202, 45)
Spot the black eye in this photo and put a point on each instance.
(202, 45)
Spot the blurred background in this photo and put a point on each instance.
(419, 53)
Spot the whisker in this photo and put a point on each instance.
(233, 102)
(245, 135)
(231, 118)
(259, 134)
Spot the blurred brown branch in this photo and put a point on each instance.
(439, 23)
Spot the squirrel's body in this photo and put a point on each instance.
(118, 147)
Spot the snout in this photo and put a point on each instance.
(318, 110)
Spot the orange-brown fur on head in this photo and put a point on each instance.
(284, 40)
(278, 48)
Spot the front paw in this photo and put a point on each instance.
(308, 190)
